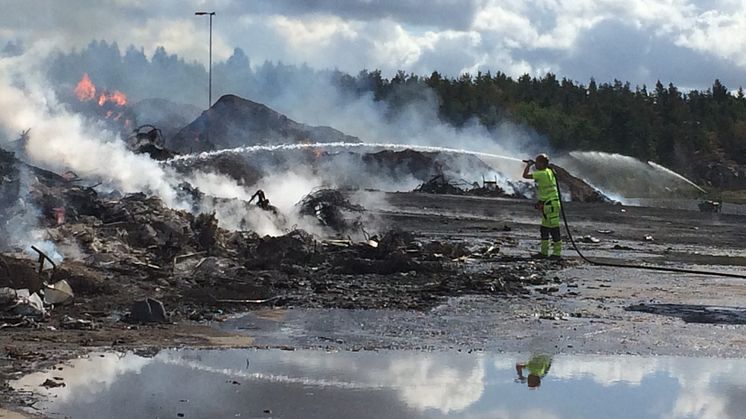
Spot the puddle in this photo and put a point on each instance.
(387, 384)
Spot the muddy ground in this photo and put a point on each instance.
(461, 279)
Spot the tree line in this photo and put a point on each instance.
(662, 124)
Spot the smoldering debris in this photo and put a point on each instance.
(439, 185)
(572, 187)
(332, 209)
(148, 139)
(135, 248)
(128, 252)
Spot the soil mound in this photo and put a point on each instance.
(233, 122)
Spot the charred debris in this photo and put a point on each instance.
(100, 256)
(133, 258)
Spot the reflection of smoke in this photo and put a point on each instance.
(527, 413)
(422, 381)
(706, 387)
(432, 384)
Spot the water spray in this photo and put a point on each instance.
(289, 147)
(671, 172)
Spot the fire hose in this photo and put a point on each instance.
(632, 266)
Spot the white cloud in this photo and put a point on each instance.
(718, 32)
(605, 370)
(448, 36)
(84, 378)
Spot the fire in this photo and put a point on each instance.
(85, 90)
(118, 98)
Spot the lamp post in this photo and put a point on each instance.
(209, 83)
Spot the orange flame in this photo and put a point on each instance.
(85, 90)
(118, 98)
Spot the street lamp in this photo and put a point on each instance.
(209, 88)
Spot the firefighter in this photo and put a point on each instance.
(548, 204)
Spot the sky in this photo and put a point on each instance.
(687, 42)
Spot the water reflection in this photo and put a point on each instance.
(315, 384)
(537, 367)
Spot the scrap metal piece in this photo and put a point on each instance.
(58, 293)
(42, 258)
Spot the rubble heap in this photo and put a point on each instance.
(332, 209)
(134, 256)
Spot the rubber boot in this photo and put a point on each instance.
(545, 248)
(557, 249)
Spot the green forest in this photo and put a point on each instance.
(662, 124)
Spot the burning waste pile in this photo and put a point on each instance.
(184, 238)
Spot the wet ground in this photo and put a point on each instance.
(579, 310)
(386, 384)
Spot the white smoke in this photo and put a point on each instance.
(318, 101)
(60, 140)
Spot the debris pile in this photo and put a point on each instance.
(332, 209)
(573, 188)
(134, 257)
(415, 163)
(28, 293)
(578, 189)
(234, 166)
(439, 185)
(148, 139)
